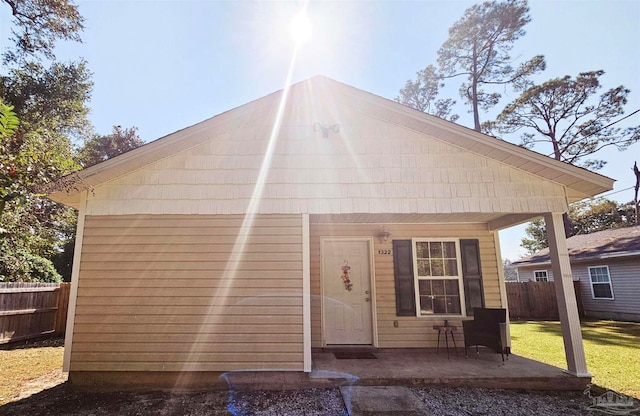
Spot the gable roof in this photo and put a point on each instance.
(320, 91)
(619, 242)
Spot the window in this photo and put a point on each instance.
(438, 277)
(541, 276)
(447, 255)
(600, 282)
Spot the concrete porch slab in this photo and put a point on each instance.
(392, 367)
(422, 367)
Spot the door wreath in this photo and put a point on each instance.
(346, 277)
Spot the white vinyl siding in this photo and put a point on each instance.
(189, 293)
(309, 174)
(600, 282)
(526, 274)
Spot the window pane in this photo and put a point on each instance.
(435, 250)
(426, 305)
(453, 305)
(438, 287)
(602, 290)
(451, 287)
(599, 274)
(439, 305)
(437, 267)
(424, 287)
(449, 250)
(450, 267)
(422, 250)
(423, 268)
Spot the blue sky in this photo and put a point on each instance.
(165, 65)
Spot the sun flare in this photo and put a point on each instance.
(300, 28)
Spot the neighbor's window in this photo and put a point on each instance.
(600, 282)
(438, 277)
(541, 276)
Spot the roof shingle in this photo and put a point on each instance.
(608, 243)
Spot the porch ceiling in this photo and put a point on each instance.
(494, 221)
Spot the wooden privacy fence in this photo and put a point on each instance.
(537, 300)
(32, 310)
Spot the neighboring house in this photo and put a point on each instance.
(314, 217)
(607, 263)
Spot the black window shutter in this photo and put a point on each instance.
(472, 275)
(403, 276)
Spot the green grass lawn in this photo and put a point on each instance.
(612, 350)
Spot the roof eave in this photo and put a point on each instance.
(574, 259)
(591, 183)
(579, 183)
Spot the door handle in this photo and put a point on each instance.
(366, 299)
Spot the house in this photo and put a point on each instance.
(318, 216)
(607, 264)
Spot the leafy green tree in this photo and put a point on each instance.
(100, 148)
(536, 236)
(422, 94)
(585, 217)
(8, 121)
(22, 266)
(601, 214)
(510, 272)
(33, 233)
(565, 115)
(38, 24)
(51, 105)
(49, 98)
(478, 48)
(8, 125)
(62, 258)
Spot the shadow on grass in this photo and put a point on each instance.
(64, 399)
(24, 345)
(605, 333)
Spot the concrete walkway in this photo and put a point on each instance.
(381, 400)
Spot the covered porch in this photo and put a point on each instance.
(415, 367)
(421, 367)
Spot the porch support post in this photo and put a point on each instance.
(503, 286)
(566, 297)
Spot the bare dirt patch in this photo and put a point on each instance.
(64, 400)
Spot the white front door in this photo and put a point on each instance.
(346, 276)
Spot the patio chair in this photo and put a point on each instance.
(488, 328)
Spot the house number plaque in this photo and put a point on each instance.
(385, 252)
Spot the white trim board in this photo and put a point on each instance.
(306, 293)
(75, 275)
